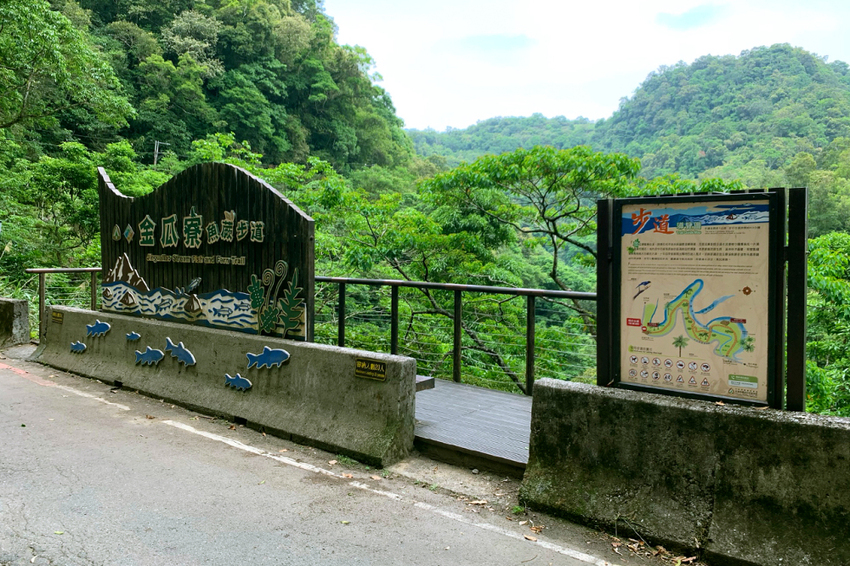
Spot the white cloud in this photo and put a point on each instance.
(443, 63)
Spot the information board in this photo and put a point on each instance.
(694, 295)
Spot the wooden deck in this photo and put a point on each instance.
(480, 425)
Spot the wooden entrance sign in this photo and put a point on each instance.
(214, 246)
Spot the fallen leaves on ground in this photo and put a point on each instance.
(332, 462)
(349, 476)
(531, 538)
(640, 548)
(479, 502)
(150, 417)
(377, 478)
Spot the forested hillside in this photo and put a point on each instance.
(146, 88)
(149, 87)
(773, 116)
(269, 71)
(498, 135)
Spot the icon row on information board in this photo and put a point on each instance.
(668, 363)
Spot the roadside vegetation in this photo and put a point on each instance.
(147, 88)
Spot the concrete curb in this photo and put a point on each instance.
(747, 486)
(314, 398)
(14, 322)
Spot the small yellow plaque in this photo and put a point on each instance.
(57, 317)
(370, 369)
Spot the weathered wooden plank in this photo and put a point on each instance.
(480, 421)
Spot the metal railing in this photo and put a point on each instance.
(452, 308)
(468, 333)
(70, 294)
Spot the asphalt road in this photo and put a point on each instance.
(94, 477)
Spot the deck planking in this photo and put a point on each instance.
(493, 425)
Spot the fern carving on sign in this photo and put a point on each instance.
(291, 306)
(282, 314)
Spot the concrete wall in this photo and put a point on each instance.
(746, 486)
(14, 322)
(314, 398)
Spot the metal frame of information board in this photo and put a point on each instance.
(610, 240)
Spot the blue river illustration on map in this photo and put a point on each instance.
(729, 334)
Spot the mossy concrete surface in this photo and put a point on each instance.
(739, 484)
(314, 398)
(14, 322)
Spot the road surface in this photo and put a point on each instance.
(90, 476)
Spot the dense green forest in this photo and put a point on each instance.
(146, 88)
(772, 117)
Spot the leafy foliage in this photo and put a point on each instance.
(173, 71)
(48, 66)
(828, 339)
(263, 84)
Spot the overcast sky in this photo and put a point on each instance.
(454, 62)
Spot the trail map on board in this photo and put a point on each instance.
(694, 297)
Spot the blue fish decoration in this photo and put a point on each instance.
(98, 328)
(222, 311)
(268, 358)
(133, 336)
(193, 284)
(180, 352)
(77, 347)
(149, 356)
(238, 382)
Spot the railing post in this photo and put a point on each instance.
(340, 339)
(42, 326)
(457, 335)
(94, 290)
(605, 356)
(529, 344)
(394, 321)
(797, 291)
(779, 305)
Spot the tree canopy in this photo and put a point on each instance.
(49, 67)
(174, 71)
